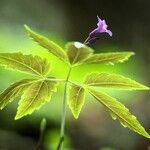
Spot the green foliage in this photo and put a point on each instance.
(26, 63)
(46, 43)
(35, 96)
(77, 52)
(108, 58)
(113, 81)
(13, 90)
(76, 98)
(120, 112)
(35, 92)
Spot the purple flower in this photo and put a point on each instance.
(101, 28)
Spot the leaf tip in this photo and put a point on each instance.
(75, 115)
(143, 87)
(146, 88)
(1, 108)
(132, 53)
(129, 54)
(146, 135)
(26, 27)
(1, 105)
(17, 117)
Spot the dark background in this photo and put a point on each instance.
(72, 20)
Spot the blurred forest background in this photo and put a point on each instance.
(72, 20)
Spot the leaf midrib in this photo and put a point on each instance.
(77, 97)
(19, 86)
(136, 129)
(105, 59)
(111, 83)
(76, 56)
(33, 98)
(59, 53)
(36, 72)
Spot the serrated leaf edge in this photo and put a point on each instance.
(129, 54)
(76, 115)
(36, 72)
(145, 134)
(143, 87)
(28, 30)
(32, 80)
(37, 108)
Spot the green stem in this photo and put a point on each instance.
(86, 41)
(62, 131)
(42, 130)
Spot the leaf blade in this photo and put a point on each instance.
(77, 52)
(115, 81)
(35, 96)
(47, 44)
(120, 112)
(108, 58)
(76, 98)
(25, 63)
(12, 91)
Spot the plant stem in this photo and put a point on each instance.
(42, 130)
(86, 40)
(62, 131)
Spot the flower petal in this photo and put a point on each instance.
(109, 32)
(101, 28)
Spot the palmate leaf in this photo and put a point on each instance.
(120, 112)
(48, 44)
(77, 52)
(108, 58)
(26, 63)
(76, 98)
(13, 90)
(35, 96)
(113, 81)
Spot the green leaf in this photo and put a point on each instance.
(26, 63)
(12, 91)
(120, 112)
(46, 43)
(76, 98)
(77, 52)
(108, 58)
(35, 96)
(113, 81)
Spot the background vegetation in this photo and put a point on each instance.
(71, 20)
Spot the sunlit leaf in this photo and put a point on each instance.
(108, 58)
(12, 91)
(77, 52)
(26, 63)
(113, 81)
(35, 96)
(51, 46)
(76, 97)
(120, 112)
